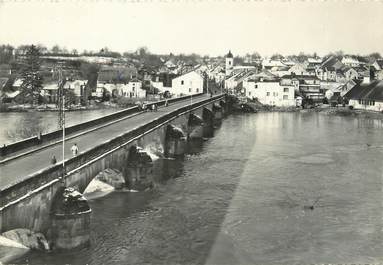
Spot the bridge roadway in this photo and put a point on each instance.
(20, 168)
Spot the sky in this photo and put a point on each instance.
(206, 27)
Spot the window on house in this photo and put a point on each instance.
(190, 90)
(249, 93)
(360, 101)
(197, 90)
(182, 82)
(285, 97)
(256, 86)
(268, 94)
(286, 89)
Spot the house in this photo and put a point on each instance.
(270, 91)
(269, 63)
(5, 70)
(233, 81)
(298, 69)
(314, 62)
(330, 69)
(49, 92)
(378, 64)
(133, 89)
(308, 85)
(368, 96)
(78, 87)
(3, 83)
(350, 61)
(187, 84)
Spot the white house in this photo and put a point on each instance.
(350, 61)
(187, 84)
(77, 86)
(270, 92)
(133, 89)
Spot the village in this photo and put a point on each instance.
(108, 78)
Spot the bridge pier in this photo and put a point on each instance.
(217, 112)
(70, 220)
(139, 170)
(224, 106)
(195, 127)
(208, 122)
(175, 141)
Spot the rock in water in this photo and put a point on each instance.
(28, 238)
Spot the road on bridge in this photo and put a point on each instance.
(20, 168)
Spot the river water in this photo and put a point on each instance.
(20, 125)
(244, 197)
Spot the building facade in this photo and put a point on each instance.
(270, 92)
(187, 84)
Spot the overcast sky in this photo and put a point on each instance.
(205, 27)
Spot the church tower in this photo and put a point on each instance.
(229, 63)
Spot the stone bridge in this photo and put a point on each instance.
(50, 200)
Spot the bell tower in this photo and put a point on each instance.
(229, 63)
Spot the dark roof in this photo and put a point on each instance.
(312, 77)
(380, 62)
(3, 81)
(370, 91)
(229, 55)
(332, 61)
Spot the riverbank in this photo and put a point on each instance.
(325, 109)
(346, 111)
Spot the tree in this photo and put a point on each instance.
(70, 97)
(89, 71)
(6, 54)
(56, 49)
(375, 55)
(22, 49)
(142, 51)
(32, 79)
(302, 57)
(276, 56)
(255, 56)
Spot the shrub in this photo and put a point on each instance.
(351, 107)
(125, 102)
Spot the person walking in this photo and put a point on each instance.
(74, 149)
(53, 160)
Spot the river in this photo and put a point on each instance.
(245, 197)
(19, 125)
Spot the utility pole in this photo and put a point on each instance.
(61, 118)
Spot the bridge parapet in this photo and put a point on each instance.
(34, 141)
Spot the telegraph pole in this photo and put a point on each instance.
(61, 121)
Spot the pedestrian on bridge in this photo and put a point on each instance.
(74, 149)
(53, 160)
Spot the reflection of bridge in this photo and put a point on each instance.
(32, 190)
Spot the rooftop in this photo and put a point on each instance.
(369, 91)
(229, 55)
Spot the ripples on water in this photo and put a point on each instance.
(244, 197)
